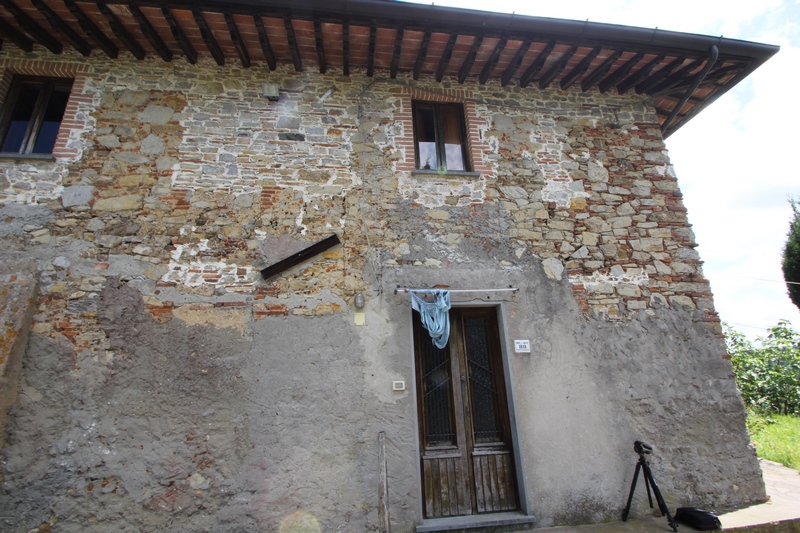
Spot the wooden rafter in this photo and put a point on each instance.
(590, 80)
(645, 85)
(208, 37)
(319, 43)
(620, 74)
(422, 53)
(466, 66)
(180, 36)
(150, 33)
(556, 69)
(236, 38)
(567, 81)
(32, 28)
(491, 62)
(515, 62)
(446, 55)
(398, 44)
(58, 24)
(642, 73)
(263, 41)
(8, 31)
(293, 48)
(536, 65)
(121, 32)
(678, 77)
(346, 48)
(91, 29)
(373, 32)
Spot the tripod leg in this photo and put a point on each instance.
(662, 505)
(630, 494)
(647, 486)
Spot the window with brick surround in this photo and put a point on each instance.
(440, 137)
(32, 114)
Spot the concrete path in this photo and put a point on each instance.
(781, 514)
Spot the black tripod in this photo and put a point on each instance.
(643, 450)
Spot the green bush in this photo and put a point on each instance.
(768, 371)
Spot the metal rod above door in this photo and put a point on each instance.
(410, 289)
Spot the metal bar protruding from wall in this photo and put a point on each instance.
(411, 289)
(299, 257)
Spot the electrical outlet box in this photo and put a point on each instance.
(399, 385)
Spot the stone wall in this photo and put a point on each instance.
(168, 387)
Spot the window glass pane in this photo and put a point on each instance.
(425, 131)
(453, 137)
(483, 382)
(436, 391)
(53, 114)
(21, 116)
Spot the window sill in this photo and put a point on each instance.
(446, 174)
(27, 157)
(475, 521)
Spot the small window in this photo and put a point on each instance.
(439, 136)
(32, 114)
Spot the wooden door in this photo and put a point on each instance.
(465, 435)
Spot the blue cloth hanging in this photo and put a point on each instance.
(434, 314)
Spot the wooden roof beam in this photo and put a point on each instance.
(208, 37)
(679, 77)
(319, 44)
(236, 38)
(486, 71)
(58, 24)
(556, 69)
(32, 28)
(619, 74)
(422, 53)
(579, 69)
(656, 78)
(150, 33)
(446, 55)
(346, 48)
(263, 40)
(122, 34)
(713, 56)
(398, 46)
(534, 67)
(293, 48)
(180, 36)
(91, 29)
(373, 31)
(590, 80)
(8, 31)
(633, 79)
(466, 66)
(515, 62)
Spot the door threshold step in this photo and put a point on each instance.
(459, 523)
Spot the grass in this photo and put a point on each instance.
(777, 438)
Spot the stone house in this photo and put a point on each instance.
(211, 214)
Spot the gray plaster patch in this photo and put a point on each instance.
(77, 195)
(15, 217)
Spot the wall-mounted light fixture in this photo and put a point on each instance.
(271, 91)
(358, 301)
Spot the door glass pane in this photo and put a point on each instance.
(21, 116)
(53, 114)
(482, 382)
(425, 131)
(453, 137)
(436, 392)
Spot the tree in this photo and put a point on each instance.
(791, 257)
(767, 371)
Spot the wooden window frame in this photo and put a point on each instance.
(439, 135)
(50, 84)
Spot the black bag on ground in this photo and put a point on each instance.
(698, 519)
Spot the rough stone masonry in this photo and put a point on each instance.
(167, 387)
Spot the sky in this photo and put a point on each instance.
(733, 160)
